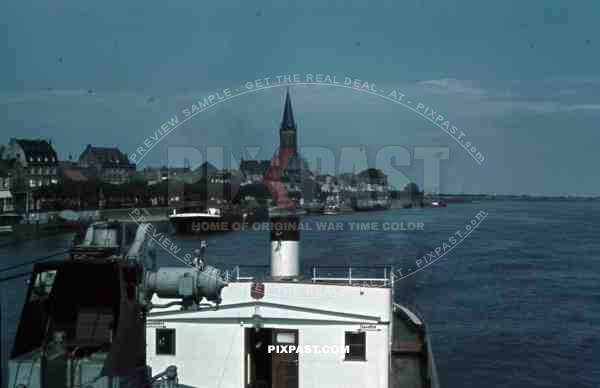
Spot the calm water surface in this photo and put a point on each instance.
(513, 305)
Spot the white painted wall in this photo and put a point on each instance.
(330, 370)
(212, 355)
(207, 355)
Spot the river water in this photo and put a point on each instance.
(514, 304)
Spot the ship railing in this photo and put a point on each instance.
(352, 274)
(246, 272)
(380, 275)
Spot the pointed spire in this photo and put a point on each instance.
(288, 115)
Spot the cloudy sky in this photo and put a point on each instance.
(521, 79)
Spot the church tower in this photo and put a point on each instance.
(287, 131)
(288, 138)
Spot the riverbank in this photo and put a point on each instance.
(58, 222)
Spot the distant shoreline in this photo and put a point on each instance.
(507, 197)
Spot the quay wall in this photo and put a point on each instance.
(96, 215)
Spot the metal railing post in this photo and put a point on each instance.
(314, 273)
(392, 281)
(350, 275)
(237, 270)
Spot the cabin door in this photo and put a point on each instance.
(284, 360)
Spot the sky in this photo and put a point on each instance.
(520, 79)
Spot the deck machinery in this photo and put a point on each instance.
(84, 319)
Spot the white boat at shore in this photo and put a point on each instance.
(204, 220)
(331, 209)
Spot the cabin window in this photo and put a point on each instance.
(43, 285)
(356, 343)
(165, 342)
(286, 338)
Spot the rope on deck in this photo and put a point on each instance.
(30, 262)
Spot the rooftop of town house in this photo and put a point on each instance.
(106, 156)
(37, 150)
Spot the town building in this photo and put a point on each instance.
(156, 175)
(254, 170)
(372, 180)
(6, 199)
(329, 187)
(328, 183)
(216, 176)
(71, 171)
(107, 164)
(36, 163)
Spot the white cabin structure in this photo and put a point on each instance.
(285, 330)
(343, 333)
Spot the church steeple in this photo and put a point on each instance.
(288, 139)
(287, 131)
(288, 115)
